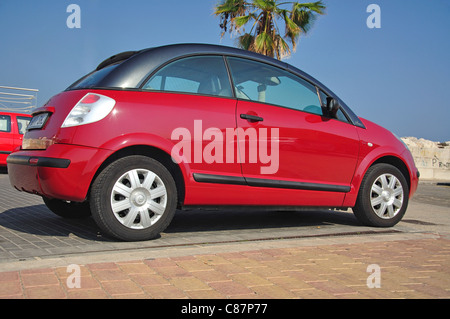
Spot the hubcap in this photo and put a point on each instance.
(138, 199)
(386, 196)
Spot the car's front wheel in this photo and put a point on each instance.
(134, 198)
(383, 197)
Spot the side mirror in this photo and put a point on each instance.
(332, 106)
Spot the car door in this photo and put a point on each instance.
(285, 140)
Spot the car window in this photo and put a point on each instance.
(94, 78)
(5, 123)
(339, 115)
(199, 75)
(267, 84)
(22, 123)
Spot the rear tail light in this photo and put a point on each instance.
(91, 108)
(90, 98)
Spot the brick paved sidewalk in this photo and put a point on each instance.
(408, 269)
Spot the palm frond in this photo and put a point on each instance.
(265, 36)
(242, 20)
(264, 44)
(265, 5)
(317, 7)
(282, 49)
(228, 10)
(246, 42)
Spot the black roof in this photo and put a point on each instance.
(136, 66)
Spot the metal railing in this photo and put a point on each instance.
(14, 99)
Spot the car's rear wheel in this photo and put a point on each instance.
(134, 198)
(65, 209)
(383, 197)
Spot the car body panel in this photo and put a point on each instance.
(378, 143)
(71, 183)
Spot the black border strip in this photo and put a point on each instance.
(259, 182)
(219, 179)
(41, 161)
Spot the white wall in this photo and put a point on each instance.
(431, 158)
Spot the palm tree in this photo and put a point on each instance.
(265, 35)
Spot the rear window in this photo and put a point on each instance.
(198, 75)
(93, 79)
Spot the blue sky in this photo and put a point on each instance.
(397, 76)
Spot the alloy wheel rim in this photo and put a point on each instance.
(386, 196)
(138, 199)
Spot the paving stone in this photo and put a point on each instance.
(189, 283)
(230, 288)
(121, 287)
(165, 292)
(149, 279)
(45, 292)
(10, 288)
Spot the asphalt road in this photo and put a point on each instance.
(29, 231)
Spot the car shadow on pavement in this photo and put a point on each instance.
(242, 219)
(38, 221)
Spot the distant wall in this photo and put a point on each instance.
(431, 158)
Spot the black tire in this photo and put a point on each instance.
(70, 210)
(392, 193)
(122, 203)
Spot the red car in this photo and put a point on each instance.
(12, 128)
(186, 125)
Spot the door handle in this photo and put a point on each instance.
(251, 118)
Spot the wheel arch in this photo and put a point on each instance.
(155, 153)
(397, 163)
(385, 205)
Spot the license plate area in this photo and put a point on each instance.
(38, 121)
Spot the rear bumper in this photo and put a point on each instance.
(62, 171)
(38, 161)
